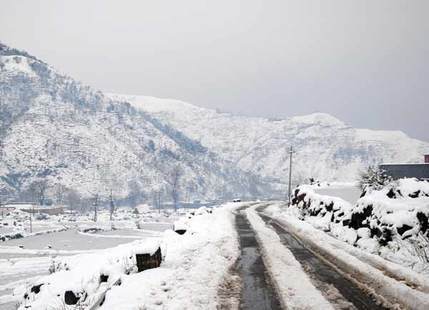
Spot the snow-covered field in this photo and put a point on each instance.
(27, 258)
(193, 268)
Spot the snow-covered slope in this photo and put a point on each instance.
(56, 129)
(326, 148)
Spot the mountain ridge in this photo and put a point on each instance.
(348, 151)
(56, 129)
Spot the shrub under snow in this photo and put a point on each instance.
(392, 220)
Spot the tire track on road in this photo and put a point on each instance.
(342, 292)
(257, 292)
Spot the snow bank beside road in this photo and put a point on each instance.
(392, 221)
(194, 266)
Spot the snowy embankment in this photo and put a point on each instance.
(295, 290)
(391, 222)
(403, 286)
(194, 265)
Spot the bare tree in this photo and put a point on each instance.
(112, 206)
(60, 192)
(111, 182)
(72, 199)
(173, 180)
(135, 193)
(38, 189)
(157, 193)
(4, 199)
(95, 204)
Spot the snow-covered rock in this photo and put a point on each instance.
(392, 221)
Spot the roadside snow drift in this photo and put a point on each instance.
(392, 221)
(193, 267)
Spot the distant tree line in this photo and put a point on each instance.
(168, 188)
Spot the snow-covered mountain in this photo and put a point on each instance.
(55, 129)
(326, 148)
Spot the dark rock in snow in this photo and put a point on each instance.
(180, 231)
(36, 288)
(70, 298)
(104, 278)
(423, 221)
(358, 218)
(391, 194)
(415, 194)
(403, 229)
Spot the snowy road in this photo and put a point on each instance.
(337, 288)
(257, 290)
(304, 276)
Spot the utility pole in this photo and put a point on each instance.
(2, 207)
(95, 207)
(112, 205)
(290, 175)
(158, 198)
(31, 218)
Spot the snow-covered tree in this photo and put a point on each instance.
(373, 178)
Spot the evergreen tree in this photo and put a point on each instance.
(373, 178)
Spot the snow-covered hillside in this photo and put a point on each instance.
(326, 148)
(56, 129)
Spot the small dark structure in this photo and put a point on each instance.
(398, 171)
(146, 261)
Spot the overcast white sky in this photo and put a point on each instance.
(363, 61)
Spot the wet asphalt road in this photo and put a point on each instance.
(340, 291)
(257, 292)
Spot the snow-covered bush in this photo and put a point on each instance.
(390, 218)
(325, 209)
(373, 178)
(397, 216)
